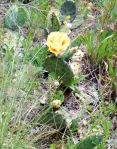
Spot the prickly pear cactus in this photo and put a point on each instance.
(78, 21)
(53, 23)
(62, 70)
(15, 17)
(68, 8)
(52, 118)
(90, 142)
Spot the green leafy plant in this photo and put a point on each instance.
(108, 13)
(101, 47)
(113, 72)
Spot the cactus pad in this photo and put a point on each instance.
(68, 8)
(62, 70)
(90, 142)
(52, 118)
(53, 23)
(15, 17)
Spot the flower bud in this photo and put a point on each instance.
(56, 103)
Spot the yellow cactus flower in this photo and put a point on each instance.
(57, 42)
